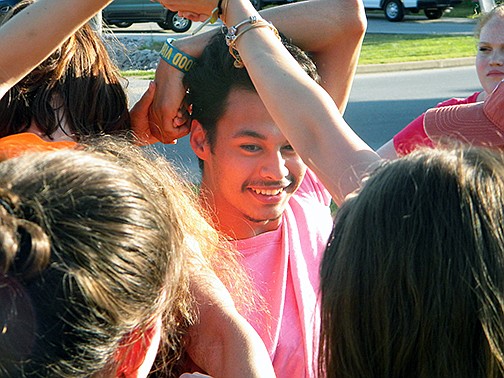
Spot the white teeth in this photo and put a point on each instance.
(268, 192)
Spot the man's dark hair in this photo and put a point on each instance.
(213, 76)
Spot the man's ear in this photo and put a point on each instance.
(199, 141)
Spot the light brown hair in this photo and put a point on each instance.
(90, 252)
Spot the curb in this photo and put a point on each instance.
(419, 65)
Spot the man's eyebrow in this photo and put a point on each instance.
(249, 133)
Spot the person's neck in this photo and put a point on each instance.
(231, 226)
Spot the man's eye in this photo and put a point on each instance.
(288, 148)
(250, 147)
(483, 49)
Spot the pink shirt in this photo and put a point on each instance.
(413, 135)
(284, 265)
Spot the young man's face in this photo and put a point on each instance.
(252, 170)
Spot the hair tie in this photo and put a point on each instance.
(6, 206)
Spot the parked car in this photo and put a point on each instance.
(5, 7)
(259, 4)
(124, 13)
(395, 9)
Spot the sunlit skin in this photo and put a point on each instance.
(490, 56)
(62, 133)
(252, 170)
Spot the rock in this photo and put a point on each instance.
(131, 53)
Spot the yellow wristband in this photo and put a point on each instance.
(176, 58)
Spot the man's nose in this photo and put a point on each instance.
(273, 167)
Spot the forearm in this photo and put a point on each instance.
(332, 31)
(305, 113)
(334, 45)
(223, 343)
(340, 24)
(31, 36)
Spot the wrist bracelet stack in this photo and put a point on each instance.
(232, 36)
(176, 58)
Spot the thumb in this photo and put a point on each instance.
(142, 106)
(139, 115)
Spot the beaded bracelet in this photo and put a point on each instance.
(176, 58)
(232, 37)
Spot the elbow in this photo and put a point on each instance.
(359, 26)
(356, 18)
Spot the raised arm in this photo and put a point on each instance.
(334, 44)
(332, 31)
(303, 110)
(315, 127)
(30, 37)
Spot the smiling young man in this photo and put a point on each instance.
(260, 194)
(254, 185)
(249, 169)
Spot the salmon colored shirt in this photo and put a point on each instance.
(16, 144)
(414, 135)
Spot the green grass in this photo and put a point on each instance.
(393, 48)
(147, 75)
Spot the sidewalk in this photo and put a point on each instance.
(419, 65)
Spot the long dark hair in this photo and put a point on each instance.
(412, 280)
(78, 85)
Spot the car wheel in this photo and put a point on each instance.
(123, 24)
(257, 4)
(164, 25)
(178, 24)
(394, 10)
(433, 14)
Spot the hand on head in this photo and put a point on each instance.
(147, 126)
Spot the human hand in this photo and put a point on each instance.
(168, 114)
(140, 119)
(195, 10)
(195, 17)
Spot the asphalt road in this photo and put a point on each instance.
(381, 104)
(418, 24)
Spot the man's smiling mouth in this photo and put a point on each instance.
(268, 192)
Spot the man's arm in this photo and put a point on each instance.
(334, 46)
(334, 42)
(223, 342)
(304, 111)
(33, 34)
(387, 151)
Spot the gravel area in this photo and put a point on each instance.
(131, 53)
